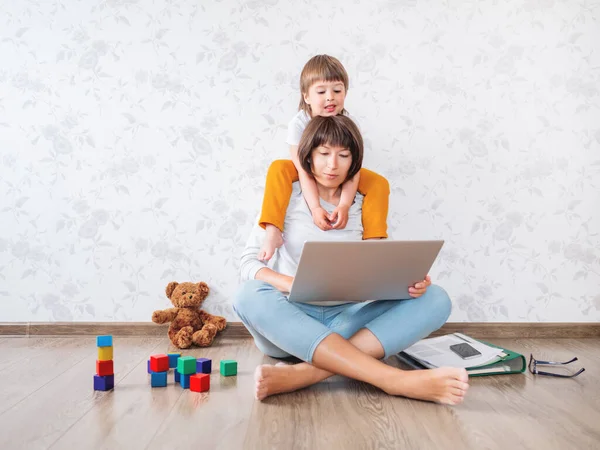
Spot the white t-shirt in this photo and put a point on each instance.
(298, 228)
(298, 123)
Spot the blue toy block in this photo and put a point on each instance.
(177, 376)
(173, 359)
(149, 370)
(104, 383)
(203, 365)
(184, 380)
(158, 379)
(104, 341)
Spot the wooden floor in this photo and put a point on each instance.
(47, 401)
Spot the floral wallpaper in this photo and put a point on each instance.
(135, 137)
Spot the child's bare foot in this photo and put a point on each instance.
(273, 241)
(446, 385)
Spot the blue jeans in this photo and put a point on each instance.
(282, 328)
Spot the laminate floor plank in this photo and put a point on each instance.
(217, 419)
(536, 408)
(16, 350)
(47, 383)
(127, 415)
(37, 365)
(425, 434)
(38, 420)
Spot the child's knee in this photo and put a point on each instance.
(282, 168)
(374, 183)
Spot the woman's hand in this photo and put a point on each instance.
(281, 282)
(288, 284)
(420, 288)
(321, 219)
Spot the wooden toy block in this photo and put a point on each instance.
(104, 341)
(203, 365)
(159, 363)
(177, 376)
(105, 353)
(158, 379)
(149, 369)
(184, 380)
(228, 367)
(104, 383)
(186, 365)
(200, 382)
(104, 368)
(173, 359)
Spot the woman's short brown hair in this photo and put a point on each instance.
(335, 131)
(320, 68)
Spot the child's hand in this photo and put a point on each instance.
(339, 217)
(321, 219)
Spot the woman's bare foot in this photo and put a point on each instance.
(273, 241)
(280, 378)
(446, 385)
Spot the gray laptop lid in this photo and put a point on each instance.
(356, 271)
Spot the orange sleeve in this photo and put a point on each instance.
(376, 190)
(278, 190)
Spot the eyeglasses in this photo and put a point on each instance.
(534, 362)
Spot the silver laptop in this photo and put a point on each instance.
(358, 271)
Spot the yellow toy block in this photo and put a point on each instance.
(105, 353)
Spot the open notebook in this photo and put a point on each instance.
(435, 352)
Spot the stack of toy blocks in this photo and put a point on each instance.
(104, 380)
(193, 374)
(186, 367)
(158, 367)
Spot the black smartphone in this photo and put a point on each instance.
(465, 351)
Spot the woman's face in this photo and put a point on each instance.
(330, 165)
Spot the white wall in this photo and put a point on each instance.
(135, 137)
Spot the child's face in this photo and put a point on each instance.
(326, 98)
(330, 165)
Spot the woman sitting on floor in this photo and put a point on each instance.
(348, 339)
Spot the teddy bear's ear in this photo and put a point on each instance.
(203, 288)
(170, 288)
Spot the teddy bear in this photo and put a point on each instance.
(189, 323)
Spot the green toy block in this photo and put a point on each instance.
(186, 365)
(228, 367)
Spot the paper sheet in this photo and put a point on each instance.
(436, 352)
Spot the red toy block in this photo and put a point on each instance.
(159, 363)
(200, 382)
(104, 368)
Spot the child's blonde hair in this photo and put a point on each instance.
(320, 68)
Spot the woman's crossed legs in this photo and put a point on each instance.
(349, 340)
